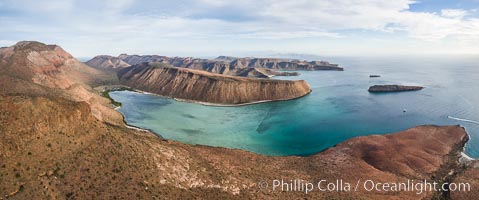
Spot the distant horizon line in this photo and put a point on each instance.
(86, 58)
(211, 53)
(266, 54)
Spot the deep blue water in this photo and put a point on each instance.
(339, 108)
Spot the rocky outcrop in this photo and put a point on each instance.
(197, 85)
(221, 65)
(393, 88)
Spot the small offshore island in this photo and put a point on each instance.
(393, 88)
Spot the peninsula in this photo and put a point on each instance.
(203, 86)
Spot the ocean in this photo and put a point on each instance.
(339, 107)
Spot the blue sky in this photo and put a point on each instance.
(222, 27)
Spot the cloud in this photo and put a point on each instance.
(144, 22)
(26, 6)
(433, 27)
(6, 43)
(281, 19)
(454, 13)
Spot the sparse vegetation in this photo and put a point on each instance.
(107, 95)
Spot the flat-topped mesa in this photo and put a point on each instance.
(393, 88)
(221, 65)
(202, 86)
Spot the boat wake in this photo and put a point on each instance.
(464, 120)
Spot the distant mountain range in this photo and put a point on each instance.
(246, 67)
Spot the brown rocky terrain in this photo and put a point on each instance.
(262, 73)
(28, 66)
(247, 67)
(393, 88)
(107, 62)
(54, 146)
(202, 86)
(469, 174)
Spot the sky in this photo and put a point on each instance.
(87, 28)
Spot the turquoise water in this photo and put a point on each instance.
(339, 108)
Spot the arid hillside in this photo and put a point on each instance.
(57, 142)
(31, 67)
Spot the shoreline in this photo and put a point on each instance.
(130, 126)
(463, 158)
(235, 105)
(466, 159)
(205, 103)
(145, 130)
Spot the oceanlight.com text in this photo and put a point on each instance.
(340, 185)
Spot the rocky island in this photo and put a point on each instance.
(211, 88)
(60, 139)
(246, 67)
(393, 88)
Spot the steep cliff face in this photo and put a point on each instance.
(221, 65)
(203, 86)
